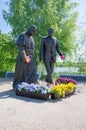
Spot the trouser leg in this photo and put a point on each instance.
(52, 66)
(49, 73)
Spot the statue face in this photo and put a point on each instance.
(32, 31)
(50, 32)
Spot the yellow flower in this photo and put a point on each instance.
(61, 89)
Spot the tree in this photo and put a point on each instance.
(81, 58)
(44, 14)
(8, 53)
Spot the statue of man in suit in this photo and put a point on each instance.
(48, 48)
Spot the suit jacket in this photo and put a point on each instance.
(48, 48)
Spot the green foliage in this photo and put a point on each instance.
(57, 14)
(82, 67)
(8, 53)
(2, 73)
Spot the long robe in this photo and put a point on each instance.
(25, 72)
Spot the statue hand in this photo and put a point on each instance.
(28, 59)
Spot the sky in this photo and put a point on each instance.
(5, 28)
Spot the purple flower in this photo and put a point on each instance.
(65, 80)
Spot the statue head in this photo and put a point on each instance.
(50, 32)
(32, 29)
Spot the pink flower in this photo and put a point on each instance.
(62, 57)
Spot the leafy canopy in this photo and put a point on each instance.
(57, 14)
(8, 52)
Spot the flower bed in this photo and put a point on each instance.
(61, 80)
(32, 91)
(63, 87)
(42, 91)
(32, 95)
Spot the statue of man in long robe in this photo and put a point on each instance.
(25, 69)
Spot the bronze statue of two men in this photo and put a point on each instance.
(25, 69)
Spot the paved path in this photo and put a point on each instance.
(23, 113)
